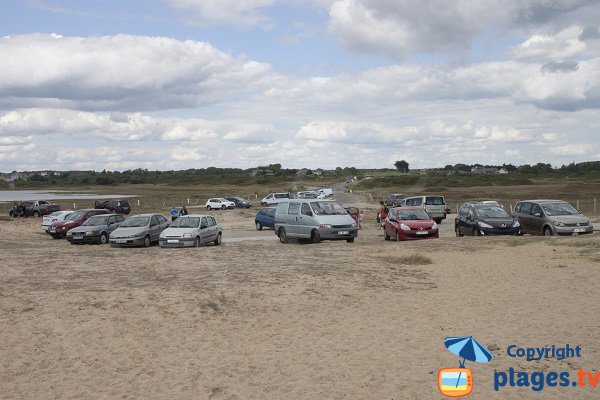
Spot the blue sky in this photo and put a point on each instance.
(169, 84)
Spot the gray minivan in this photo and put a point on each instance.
(551, 217)
(435, 206)
(315, 220)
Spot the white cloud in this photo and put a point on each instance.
(119, 72)
(571, 149)
(229, 12)
(564, 45)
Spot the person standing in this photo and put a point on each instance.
(383, 213)
(174, 214)
(183, 211)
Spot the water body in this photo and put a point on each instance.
(26, 195)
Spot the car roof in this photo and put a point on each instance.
(543, 201)
(407, 208)
(144, 215)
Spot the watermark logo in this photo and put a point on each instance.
(458, 382)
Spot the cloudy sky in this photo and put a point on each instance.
(171, 84)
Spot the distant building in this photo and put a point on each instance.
(478, 170)
(302, 172)
(318, 171)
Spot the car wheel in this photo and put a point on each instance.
(385, 234)
(258, 226)
(196, 242)
(457, 231)
(36, 214)
(315, 237)
(147, 241)
(351, 240)
(438, 220)
(208, 208)
(397, 236)
(283, 236)
(10, 213)
(548, 231)
(263, 204)
(223, 207)
(218, 240)
(103, 238)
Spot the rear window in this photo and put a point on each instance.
(434, 201)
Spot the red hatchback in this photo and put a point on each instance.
(59, 229)
(409, 223)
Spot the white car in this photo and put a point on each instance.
(326, 191)
(219, 203)
(191, 231)
(274, 199)
(47, 220)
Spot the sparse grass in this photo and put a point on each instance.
(413, 259)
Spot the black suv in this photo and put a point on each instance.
(485, 219)
(239, 202)
(119, 206)
(393, 200)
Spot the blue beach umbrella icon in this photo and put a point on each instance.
(469, 349)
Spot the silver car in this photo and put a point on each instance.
(139, 230)
(315, 220)
(95, 229)
(551, 217)
(47, 220)
(191, 231)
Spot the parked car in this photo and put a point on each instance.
(35, 208)
(434, 205)
(239, 202)
(265, 218)
(409, 223)
(59, 229)
(219, 203)
(119, 206)
(47, 220)
(328, 192)
(272, 199)
(485, 219)
(191, 231)
(551, 217)
(315, 220)
(307, 195)
(96, 229)
(139, 230)
(393, 200)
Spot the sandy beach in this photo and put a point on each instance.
(255, 319)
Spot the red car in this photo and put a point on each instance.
(59, 229)
(409, 223)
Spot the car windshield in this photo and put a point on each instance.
(134, 222)
(96, 220)
(186, 222)
(491, 212)
(76, 215)
(327, 208)
(413, 215)
(552, 209)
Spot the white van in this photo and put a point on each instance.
(315, 220)
(272, 199)
(435, 206)
(326, 192)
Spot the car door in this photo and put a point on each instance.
(536, 219)
(213, 229)
(523, 212)
(469, 226)
(306, 219)
(112, 224)
(460, 220)
(294, 221)
(154, 228)
(204, 230)
(390, 223)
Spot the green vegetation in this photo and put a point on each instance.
(413, 259)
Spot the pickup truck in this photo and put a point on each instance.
(33, 209)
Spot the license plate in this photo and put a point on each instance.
(172, 241)
(121, 241)
(52, 229)
(578, 230)
(77, 237)
(422, 232)
(343, 232)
